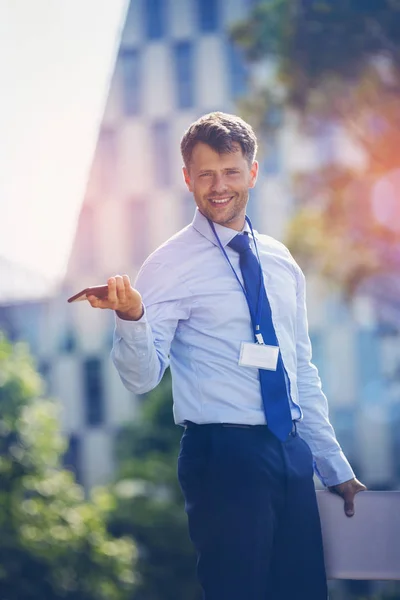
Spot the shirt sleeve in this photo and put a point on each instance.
(330, 463)
(141, 348)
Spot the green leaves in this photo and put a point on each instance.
(54, 543)
(19, 382)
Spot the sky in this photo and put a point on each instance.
(56, 60)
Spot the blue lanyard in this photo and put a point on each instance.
(255, 319)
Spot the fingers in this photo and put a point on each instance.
(124, 289)
(93, 301)
(117, 294)
(349, 506)
(98, 302)
(347, 490)
(349, 496)
(120, 295)
(347, 493)
(127, 284)
(120, 290)
(112, 290)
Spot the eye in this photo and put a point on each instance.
(205, 174)
(232, 172)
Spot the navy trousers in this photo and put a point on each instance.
(252, 514)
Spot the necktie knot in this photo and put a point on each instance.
(240, 243)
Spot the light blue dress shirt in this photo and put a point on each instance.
(196, 318)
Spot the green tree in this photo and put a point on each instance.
(337, 69)
(150, 504)
(53, 543)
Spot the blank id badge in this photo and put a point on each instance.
(261, 356)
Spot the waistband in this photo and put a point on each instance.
(191, 425)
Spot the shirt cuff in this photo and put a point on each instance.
(333, 468)
(131, 330)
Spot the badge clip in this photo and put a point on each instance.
(259, 338)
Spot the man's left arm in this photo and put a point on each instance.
(330, 463)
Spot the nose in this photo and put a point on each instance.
(219, 184)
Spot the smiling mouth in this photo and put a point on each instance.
(220, 201)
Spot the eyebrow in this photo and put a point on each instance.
(212, 170)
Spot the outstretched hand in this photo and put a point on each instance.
(347, 490)
(121, 297)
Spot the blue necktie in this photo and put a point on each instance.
(273, 383)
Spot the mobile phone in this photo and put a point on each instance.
(100, 291)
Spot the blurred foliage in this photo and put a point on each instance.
(150, 505)
(336, 68)
(336, 231)
(53, 543)
(313, 40)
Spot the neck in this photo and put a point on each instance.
(236, 225)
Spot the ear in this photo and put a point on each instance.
(187, 179)
(253, 174)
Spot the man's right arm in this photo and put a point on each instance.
(144, 328)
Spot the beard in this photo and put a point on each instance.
(233, 212)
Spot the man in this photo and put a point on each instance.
(256, 421)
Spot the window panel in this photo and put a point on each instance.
(161, 154)
(72, 459)
(68, 343)
(94, 392)
(237, 71)
(131, 79)
(155, 18)
(208, 12)
(184, 71)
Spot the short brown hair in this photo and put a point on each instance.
(220, 131)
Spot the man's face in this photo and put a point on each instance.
(220, 184)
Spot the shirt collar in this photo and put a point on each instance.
(225, 234)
